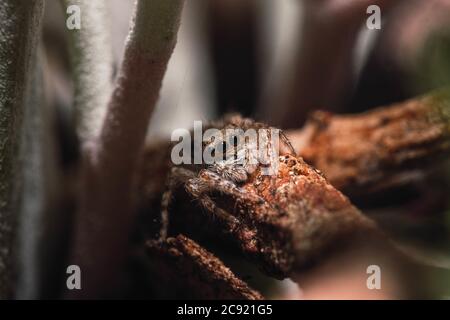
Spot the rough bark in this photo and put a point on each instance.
(106, 211)
(308, 217)
(377, 150)
(19, 32)
(366, 153)
(302, 220)
(189, 271)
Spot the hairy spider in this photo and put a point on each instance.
(238, 160)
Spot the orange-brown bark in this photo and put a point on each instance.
(387, 147)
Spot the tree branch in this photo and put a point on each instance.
(19, 32)
(308, 217)
(189, 271)
(388, 147)
(302, 221)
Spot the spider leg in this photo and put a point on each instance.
(283, 138)
(286, 141)
(210, 205)
(176, 176)
(211, 181)
(198, 189)
(218, 183)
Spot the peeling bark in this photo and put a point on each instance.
(377, 150)
(364, 153)
(305, 217)
(302, 221)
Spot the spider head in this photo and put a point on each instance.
(243, 146)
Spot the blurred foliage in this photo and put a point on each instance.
(433, 67)
(432, 71)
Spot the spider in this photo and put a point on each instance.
(224, 176)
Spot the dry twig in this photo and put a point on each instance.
(189, 271)
(302, 219)
(390, 146)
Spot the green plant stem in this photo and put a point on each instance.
(92, 63)
(19, 32)
(107, 201)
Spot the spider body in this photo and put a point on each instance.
(235, 162)
(284, 222)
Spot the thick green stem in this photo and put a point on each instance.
(43, 224)
(19, 32)
(91, 55)
(107, 204)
